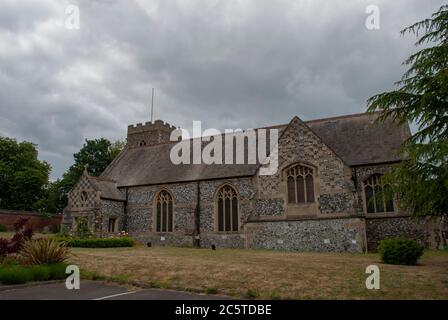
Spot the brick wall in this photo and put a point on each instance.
(36, 220)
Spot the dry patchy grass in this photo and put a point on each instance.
(269, 274)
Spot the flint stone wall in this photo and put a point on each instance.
(429, 232)
(111, 209)
(334, 188)
(322, 235)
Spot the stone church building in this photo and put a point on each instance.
(327, 195)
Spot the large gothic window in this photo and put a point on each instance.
(164, 212)
(378, 195)
(227, 205)
(300, 184)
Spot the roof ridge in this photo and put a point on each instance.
(346, 116)
(276, 126)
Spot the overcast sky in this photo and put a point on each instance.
(231, 64)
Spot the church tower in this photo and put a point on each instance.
(149, 134)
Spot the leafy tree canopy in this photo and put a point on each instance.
(23, 177)
(421, 182)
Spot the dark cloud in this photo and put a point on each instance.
(228, 63)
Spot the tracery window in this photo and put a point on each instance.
(84, 196)
(164, 212)
(378, 196)
(227, 205)
(300, 184)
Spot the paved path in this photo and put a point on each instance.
(96, 290)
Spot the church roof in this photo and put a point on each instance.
(356, 139)
(359, 140)
(108, 188)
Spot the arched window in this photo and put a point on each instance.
(300, 184)
(378, 196)
(227, 203)
(164, 212)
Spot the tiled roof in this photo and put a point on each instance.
(357, 139)
(107, 187)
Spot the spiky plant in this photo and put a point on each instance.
(44, 251)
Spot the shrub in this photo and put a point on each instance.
(82, 228)
(57, 271)
(44, 251)
(18, 274)
(15, 275)
(99, 242)
(14, 245)
(3, 228)
(41, 272)
(400, 251)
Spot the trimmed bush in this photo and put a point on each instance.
(3, 228)
(40, 272)
(400, 251)
(18, 274)
(57, 271)
(99, 242)
(15, 275)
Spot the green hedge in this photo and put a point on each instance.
(18, 274)
(99, 242)
(400, 251)
(3, 228)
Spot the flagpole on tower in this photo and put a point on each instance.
(152, 105)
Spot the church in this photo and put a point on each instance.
(326, 195)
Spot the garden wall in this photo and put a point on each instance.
(36, 220)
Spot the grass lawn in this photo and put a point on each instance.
(268, 274)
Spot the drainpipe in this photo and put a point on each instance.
(197, 224)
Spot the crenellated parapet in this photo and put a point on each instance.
(149, 133)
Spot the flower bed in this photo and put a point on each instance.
(23, 259)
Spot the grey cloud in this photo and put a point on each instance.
(228, 63)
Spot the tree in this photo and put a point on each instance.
(421, 181)
(23, 177)
(97, 154)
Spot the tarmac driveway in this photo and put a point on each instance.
(96, 290)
